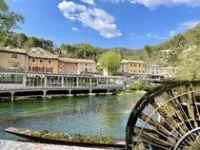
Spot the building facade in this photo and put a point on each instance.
(86, 66)
(132, 67)
(76, 66)
(68, 66)
(153, 70)
(42, 63)
(123, 67)
(15, 59)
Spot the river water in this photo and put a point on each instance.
(95, 115)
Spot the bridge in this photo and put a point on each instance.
(21, 84)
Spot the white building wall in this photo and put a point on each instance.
(153, 70)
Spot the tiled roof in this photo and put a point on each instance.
(132, 61)
(42, 55)
(74, 60)
(15, 50)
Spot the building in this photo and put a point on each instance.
(13, 58)
(132, 67)
(42, 63)
(68, 65)
(123, 67)
(76, 66)
(154, 70)
(86, 66)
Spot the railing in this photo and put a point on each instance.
(14, 80)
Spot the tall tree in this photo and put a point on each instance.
(8, 19)
(110, 60)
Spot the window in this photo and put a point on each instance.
(49, 61)
(60, 63)
(41, 61)
(33, 60)
(49, 69)
(33, 69)
(14, 56)
(41, 69)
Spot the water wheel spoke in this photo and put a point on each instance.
(158, 127)
(170, 116)
(151, 136)
(166, 113)
(196, 99)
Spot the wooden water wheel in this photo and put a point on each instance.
(168, 117)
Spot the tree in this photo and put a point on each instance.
(8, 19)
(147, 50)
(110, 60)
(32, 42)
(21, 39)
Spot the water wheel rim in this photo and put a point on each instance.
(148, 98)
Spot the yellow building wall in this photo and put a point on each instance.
(138, 68)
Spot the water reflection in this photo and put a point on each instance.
(101, 116)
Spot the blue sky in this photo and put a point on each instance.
(107, 23)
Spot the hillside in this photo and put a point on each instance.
(169, 53)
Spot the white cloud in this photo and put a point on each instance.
(94, 18)
(155, 36)
(156, 3)
(91, 2)
(74, 29)
(183, 27)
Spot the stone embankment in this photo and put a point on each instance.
(16, 145)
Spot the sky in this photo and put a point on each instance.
(131, 24)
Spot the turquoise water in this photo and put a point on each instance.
(99, 116)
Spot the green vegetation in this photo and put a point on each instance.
(189, 66)
(67, 137)
(141, 86)
(111, 61)
(9, 21)
(8, 18)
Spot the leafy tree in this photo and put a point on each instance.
(178, 41)
(147, 49)
(110, 60)
(8, 18)
(21, 39)
(46, 44)
(9, 40)
(32, 42)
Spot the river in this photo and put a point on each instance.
(94, 115)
